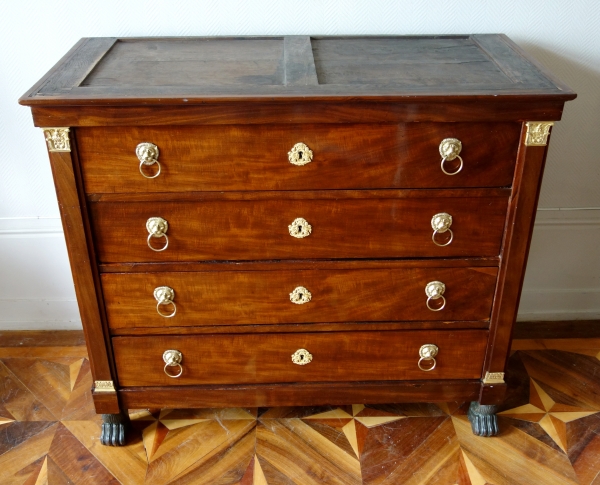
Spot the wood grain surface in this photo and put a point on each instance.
(253, 230)
(301, 394)
(426, 63)
(294, 265)
(248, 158)
(76, 226)
(263, 297)
(299, 327)
(298, 61)
(255, 359)
(520, 219)
(292, 195)
(196, 69)
(463, 108)
(190, 62)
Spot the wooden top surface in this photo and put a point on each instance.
(165, 70)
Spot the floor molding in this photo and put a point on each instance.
(41, 338)
(564, 329)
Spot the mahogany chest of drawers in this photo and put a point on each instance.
(297, 220)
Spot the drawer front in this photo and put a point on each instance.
(248, 158)
(265, 297)
(267, 358)
(260, 229)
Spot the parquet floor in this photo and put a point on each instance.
(550, 431)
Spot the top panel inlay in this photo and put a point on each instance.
(405, 61)
(190, 62)
(164, 70)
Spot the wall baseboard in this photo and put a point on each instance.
(562, 280)
(36, 288)
(21, 227)
(559, 304)
(563, 329)
(39, 314)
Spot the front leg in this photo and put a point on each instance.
(114, 427)
(484, 421)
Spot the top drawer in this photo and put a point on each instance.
(256, 157)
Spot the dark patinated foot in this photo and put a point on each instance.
(483, 419)
(114, 427)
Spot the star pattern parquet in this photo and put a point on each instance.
(550, 433)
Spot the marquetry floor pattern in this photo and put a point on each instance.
(550, 432)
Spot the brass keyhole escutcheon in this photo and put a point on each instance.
(300, 154)
(300, 295)
(302, 357)
(300, 228)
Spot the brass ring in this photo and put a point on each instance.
(437, 232)
(148, 164)
(174, 376)
(158, 250)
(436, 309)
(424, 359)
(459, 168)
(166, 303)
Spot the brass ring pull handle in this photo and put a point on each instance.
(302, 357)
(427, 353)
(440, 223)
(449, 150)
(164, 296)
(435, 290)
(147, 154)
(157, 227)
(300, 295)
(300, 228)
(300, 154)
(173, 358)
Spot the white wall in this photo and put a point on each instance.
(562, 278)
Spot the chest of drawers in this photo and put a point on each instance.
(297, 220)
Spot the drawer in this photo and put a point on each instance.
(260, 229)
(265, 297)
(249, 158)
(267, 358)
